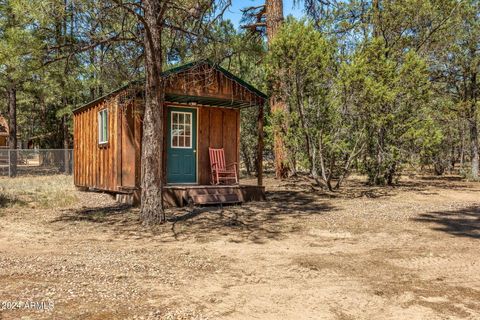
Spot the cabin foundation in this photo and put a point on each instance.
(180, 196)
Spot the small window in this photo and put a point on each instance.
(103, 126)
(181, 130)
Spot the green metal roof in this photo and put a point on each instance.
(203, 100)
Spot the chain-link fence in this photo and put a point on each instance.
(35, 162)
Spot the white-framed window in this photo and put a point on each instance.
(103, 126)
(181, 130)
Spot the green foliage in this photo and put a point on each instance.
(374, 108)
(392, 99)
(21, 41)
(302, 65)
(378, 89)
(42, 56)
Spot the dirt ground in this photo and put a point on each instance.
(409, 252)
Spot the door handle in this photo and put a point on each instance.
(194, 150)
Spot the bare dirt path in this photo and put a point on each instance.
(410, 252)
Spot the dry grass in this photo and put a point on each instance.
(44, 192)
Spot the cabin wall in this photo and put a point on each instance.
(130, 133)
(217, 128)
(96, 165)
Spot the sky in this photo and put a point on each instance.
(234, 13)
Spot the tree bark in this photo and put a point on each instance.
(376, 18)
(379, 157)
(474, 149)
(247, 160)
(462, 146)
(66, 145)
(351, 158)
(260, 117)
(12, 129)
(305, 126)
(326, 178)
(473, 126)
(152, 211)
(274, 20)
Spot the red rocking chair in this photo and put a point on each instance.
(222, 173)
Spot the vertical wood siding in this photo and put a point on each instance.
(95, 164)
(217, 128)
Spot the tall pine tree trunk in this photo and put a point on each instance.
(12, 127)
(274, 20)
(376, 18)
(61, 31)
(66, 145)
(152, 144)
(474, 146)
(473, 126)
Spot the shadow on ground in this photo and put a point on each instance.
(288, 202)
(8, 201)
(253, 221)
(358, 188)
(108, 214)
(463, 222)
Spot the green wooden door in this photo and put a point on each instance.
(182, 145)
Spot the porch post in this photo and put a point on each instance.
(260, 146)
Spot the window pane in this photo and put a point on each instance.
(106, 126)
(103, 126)
(99, 127)
(181, 129)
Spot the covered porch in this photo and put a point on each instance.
(189, 167)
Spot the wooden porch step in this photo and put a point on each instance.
(228, 198)
(220, 190)
(181, 195)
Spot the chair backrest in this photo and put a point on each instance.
(217, 158)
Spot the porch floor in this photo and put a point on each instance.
(181, 195)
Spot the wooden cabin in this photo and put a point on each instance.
(201, 111)
(3, 132)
